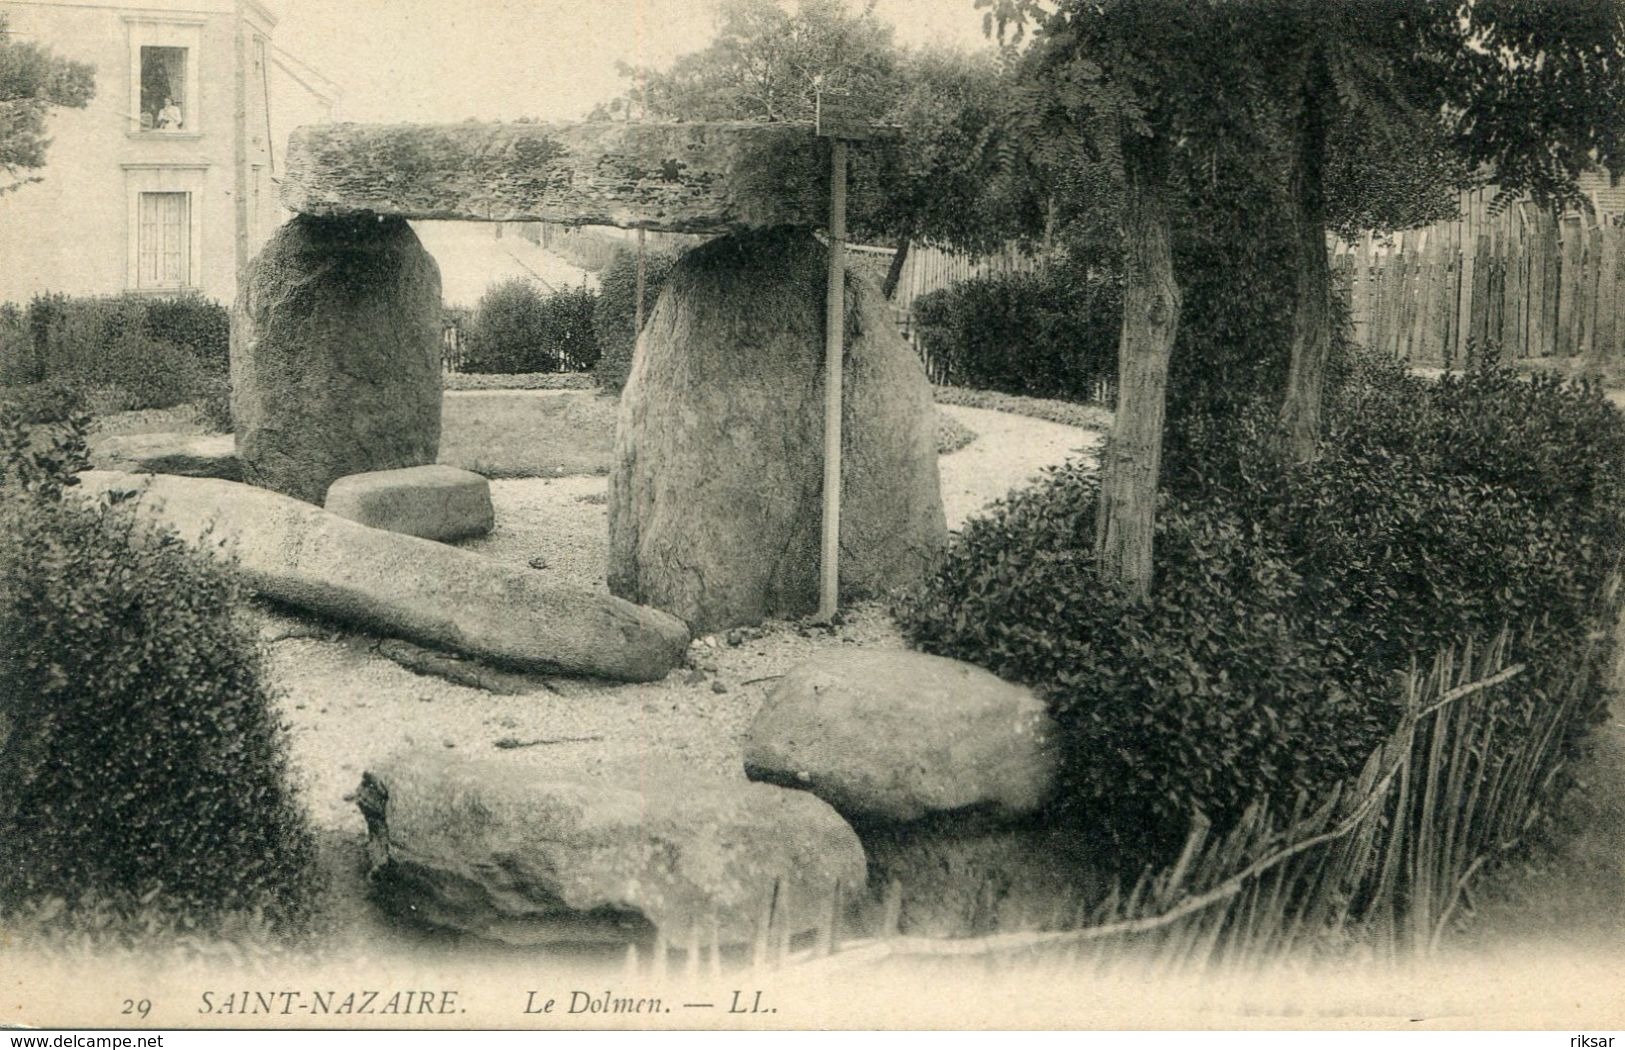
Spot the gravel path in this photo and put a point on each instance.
(1008, 453)
(350, 706)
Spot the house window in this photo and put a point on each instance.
(164, 88)
(164, 240)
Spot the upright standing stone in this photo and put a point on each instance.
(335, 369)
(715, 488)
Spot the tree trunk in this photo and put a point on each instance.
(1312, 314)
(894, 272)
(1132, 459)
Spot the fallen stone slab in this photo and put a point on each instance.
(435, 502)
(892, 735)
(414, 588)
(513, 851)
(691, 177)
(189, 455)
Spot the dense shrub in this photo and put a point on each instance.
(1286, 598)
(1049, 333)
(121, 352)
(49, 402)
(517, 328)
(146, 767)
(190, 321)
(615, 317)
(16, 348)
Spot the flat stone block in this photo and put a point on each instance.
(435, 502)
(681, 177)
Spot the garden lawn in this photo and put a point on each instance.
(528, 434)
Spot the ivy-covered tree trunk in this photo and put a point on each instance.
(1132, 460)
(1312, 313)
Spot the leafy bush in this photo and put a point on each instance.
(50, 402)
(518, 329)
(1286, 598)
(145, 764)
(1049, 333)
(190, 321)
(122, 352)
(214, 405)
(16, 348)
(616, 315)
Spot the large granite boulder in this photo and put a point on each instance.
(435, 502)
(400, 585)
(715, 489)
(335, 363)
(891, 736)
(521, 853)
(189, 455)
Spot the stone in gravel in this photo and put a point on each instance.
(718, 687)
(515, 852)
(891, 735)
(412, 588)
(435, 502)
(716, 484)
(337, 370)
(190, 455)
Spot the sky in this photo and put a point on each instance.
(449, 60)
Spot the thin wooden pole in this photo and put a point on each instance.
(834, 327)
(637, 310)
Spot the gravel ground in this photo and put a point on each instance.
(1008, 452)
(350, 706)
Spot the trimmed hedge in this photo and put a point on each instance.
(1051, 333)
(1286, 598)
(119, 352)
(615, 317)
(517, 328)
(146, 766)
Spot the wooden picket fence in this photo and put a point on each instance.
(1534, 284)
(1384, 861)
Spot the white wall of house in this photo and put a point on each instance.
(125, 204)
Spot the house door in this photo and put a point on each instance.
(164, 249)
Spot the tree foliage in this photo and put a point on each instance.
(32, 81)
(948, 180)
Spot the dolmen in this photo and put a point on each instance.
(716, 485)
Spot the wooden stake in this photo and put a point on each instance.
(637, 309)
(834, 328)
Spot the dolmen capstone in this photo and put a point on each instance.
(189, 455)
(436, 502)
(335, 360)
(413, 588)
(717, 478)
(523, 854)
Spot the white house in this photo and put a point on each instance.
(166, 181)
